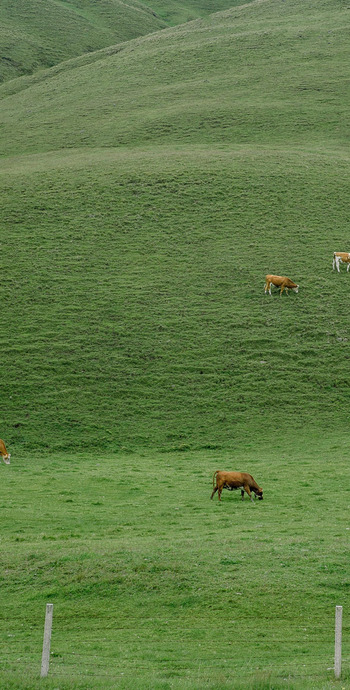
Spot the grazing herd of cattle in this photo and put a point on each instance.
(286, 284)
(241, 480)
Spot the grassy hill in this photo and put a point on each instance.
(146, 190)
(156, 187)
(40, 33)
(35, 34)
(250, 75)
(174, 12)
(135, 305)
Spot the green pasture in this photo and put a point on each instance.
(178, 12)
(134, 297)
(154, 585)
(146, 190)
(269, 73)
(35, 34)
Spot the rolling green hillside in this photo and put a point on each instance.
(146, 189)
(40, 33)
(35, 34)
(264, 74)
(175, 12)
(146, 193)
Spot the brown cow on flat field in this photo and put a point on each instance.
(5, 455)
(281, 282)
(236, 480)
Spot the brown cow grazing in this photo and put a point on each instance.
(281, 282)
(5, 455)
(341, 258)
(236, 480)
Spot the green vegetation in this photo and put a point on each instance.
(147, 189)
(35, 34)
(140, 228)
(174, 12)
(134, 296)
(40, 33)
(156, 586)
(261, 75)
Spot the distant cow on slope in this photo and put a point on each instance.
(5, 455)
(236, 480)
(281, 282)
(341, 258)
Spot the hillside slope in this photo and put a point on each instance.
(39, 33)
(35, 34)
(146, 193)
(252, 74)
(180, 11)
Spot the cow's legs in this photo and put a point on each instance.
(219, 492)
(338, 262)
(348, 268)
(214, 491)
(247, 490)
(268, 287)
(282, 288)
(242, 494)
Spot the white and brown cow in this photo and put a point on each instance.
(5, 455)
(281, 282)
(341, 258)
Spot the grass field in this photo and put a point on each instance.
(137, 239)
(154, 585)
(264, 74)
(35, 34)
(146, 190)
(135, 297)
(178, 12)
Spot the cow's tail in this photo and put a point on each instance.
(214, 475)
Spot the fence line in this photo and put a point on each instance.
(101, 664)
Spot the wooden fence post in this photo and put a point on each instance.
(45, 659)
(338, 631)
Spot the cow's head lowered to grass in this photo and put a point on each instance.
(5, 455)
(236, 480)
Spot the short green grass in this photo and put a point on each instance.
(146, 190)
(35, 34)
(134, 297)
(178, 12)
(154, 585)
(265, 74)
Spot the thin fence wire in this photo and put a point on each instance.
(70, 659)
(95, 659)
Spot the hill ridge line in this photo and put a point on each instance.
(113, 49)
(79, 157)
